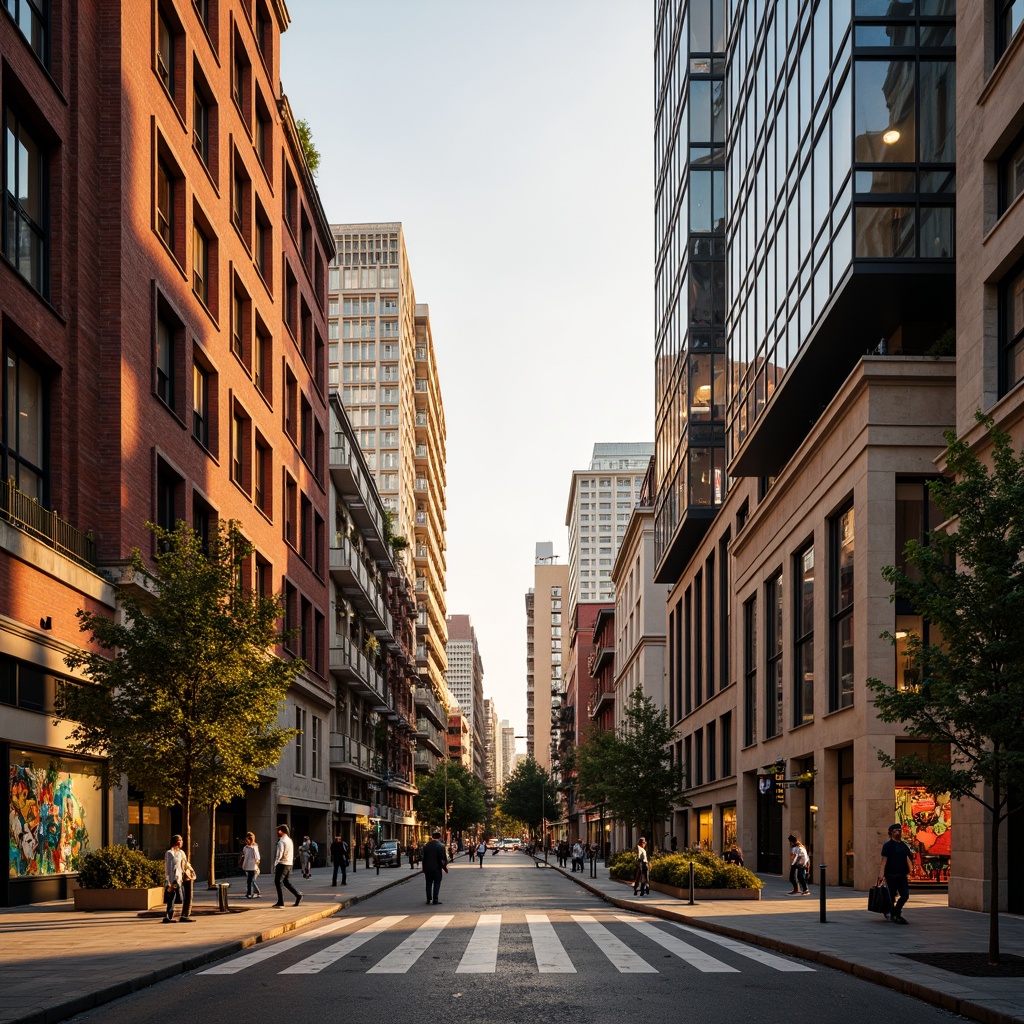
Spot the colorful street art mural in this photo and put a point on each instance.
(51, 810)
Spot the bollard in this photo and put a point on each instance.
(222, 897)
(593, 865)
(691, 883)
(821, 893)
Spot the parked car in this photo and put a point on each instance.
(388, 854)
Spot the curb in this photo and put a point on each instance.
(926, 994)
(81, 1004)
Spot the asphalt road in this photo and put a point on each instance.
(509, 943)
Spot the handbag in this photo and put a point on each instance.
(879, 899)
(189, 872)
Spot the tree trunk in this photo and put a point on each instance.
(186, 824)
(993, 896)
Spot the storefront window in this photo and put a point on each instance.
(55, 813)
(704, 823)
(927, 829)
(728, 827)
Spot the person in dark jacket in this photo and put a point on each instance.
(894, 870)
(435, 861)
(339, 858)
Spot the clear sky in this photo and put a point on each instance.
(513, 140)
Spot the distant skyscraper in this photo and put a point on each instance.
(508, 751)
(381, 360)
(465, 680)
(544, 651)
(492, 742)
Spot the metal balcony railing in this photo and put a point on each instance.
(27, 514)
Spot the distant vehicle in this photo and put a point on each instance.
(511, 844)
(492, 844)
(388, 854)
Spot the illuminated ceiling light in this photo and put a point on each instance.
(891, 137)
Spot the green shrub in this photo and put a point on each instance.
(732, 876)
(623, 865)
(117, 867)
(675, 870)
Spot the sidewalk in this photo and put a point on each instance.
(55, 962)
(853, 940)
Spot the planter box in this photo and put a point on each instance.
(119, 899)
(702, 894)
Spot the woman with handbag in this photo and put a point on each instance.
(175, 863)
(251, 866)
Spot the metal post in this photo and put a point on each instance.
(821, 893)
(691, 883)
(593, 862)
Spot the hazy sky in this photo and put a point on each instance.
(513, 140)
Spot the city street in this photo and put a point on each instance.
(508, 942)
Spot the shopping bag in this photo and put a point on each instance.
(879, 899)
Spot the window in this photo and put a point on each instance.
(169, 59)
(291, 511)
(291, 201)
(264, 135)
(201, 405)
(24, 426)
(31, 16)
(241, 204)
(300, 741)
(25, 236)
(263, 245)
(261, 576)
(168, 345)
(240, 435)
(1011, 329)
(168, 498)
(1011, 174)
(305, 530)
(750, 672)
(726, 730)
(261, 359)
(201, 264)
(698, 757)
(291, 405)
(291, 300)
(204, 121)
(1009, 17)
(315, 747)
(773, 650)
(803, 638)
(203, 521)
(241, 323)
(241, 79)
(712, 738)
(841, 638)
(166, 184)
(262, 475)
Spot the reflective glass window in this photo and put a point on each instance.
(884, 111)
(885, 232)
(937, 101)
(937, 232)
(1012, 329)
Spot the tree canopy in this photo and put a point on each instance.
(966, 581)
(631, 772)
(464, 792)
(185, 687)
(530, 795)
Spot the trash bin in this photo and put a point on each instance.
(222, 896)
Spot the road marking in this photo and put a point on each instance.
(624, 959)
(693, 956)
(266, 952)
(550, 953)
(481, 956)
(400, 959)
(777, 963)
(318, 961)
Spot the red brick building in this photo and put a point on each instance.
(162, 295)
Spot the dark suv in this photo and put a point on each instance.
(388, 854)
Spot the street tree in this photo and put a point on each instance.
(631, 772)
(530, 795)
(185, 688)
(966, 581)
(464, 792)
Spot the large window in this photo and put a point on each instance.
(750, 672)
(24, 228)
(300, 741)
(841, 638)
(165, 359)
(24, 427)
(1011, 329)
(773, 651)
(1009, 18)
(1011, 174)
(803, 638)
(32, 17)
(201, 405)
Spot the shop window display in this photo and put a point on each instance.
(927, 829)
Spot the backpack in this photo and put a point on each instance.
(313, 848)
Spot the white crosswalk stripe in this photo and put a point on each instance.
(549, 951)
(762, 956)
(702, 961)
(624, 959)
(481, 956)
(399, 960)
(318, 961)
(266, 952)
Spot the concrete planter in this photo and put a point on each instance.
(702, 894)
(118, 899)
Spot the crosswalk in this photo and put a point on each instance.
(559, 942)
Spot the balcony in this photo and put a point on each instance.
(426, 701)
(350, 573)
(602, 655)
(351, 665)
(599, 701)
(347, 754)
(350, 477)
(22, 512)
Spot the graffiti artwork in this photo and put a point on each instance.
(50, 812)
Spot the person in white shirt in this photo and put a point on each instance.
(480, 851)
(577, 856)
(174, 875)
(641, 884)
(251, 866)
(284, 856)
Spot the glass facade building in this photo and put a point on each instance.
(805, 216)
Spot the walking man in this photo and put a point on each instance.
(339, 858)
(641, 882)
(799, 859)
(480, 851)
(894, 870)
(284, 855)
(174, 874)
(435, 860)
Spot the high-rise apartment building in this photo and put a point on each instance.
(162, 301)
(465, 679)
(544, 650)
(381, 360)
(804, 206)
(508, 751)
(492, 752)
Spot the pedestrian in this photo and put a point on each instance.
(734, 855)
(674, 844)
(174, 875)
(131, 842)
(412, 856)
(799, 859)
(480, 851)
(641, 881)
(577, 856)
(284, 856)
(435, 860)
(894, 870)
(306, 856)
(339, 860)
(251, 866)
